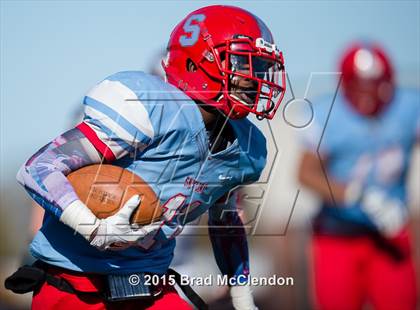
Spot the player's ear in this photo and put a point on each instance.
(191, 67)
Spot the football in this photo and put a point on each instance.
(105, 189)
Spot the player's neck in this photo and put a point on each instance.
(210, 116)
(219, 131)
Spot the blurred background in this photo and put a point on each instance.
(53, 52)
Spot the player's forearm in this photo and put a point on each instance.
(230, 246)
(44, 174)
(328, 189)
(313, 174)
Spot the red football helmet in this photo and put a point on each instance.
(225, 57)
(367, 78)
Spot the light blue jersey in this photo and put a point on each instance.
(372, 152)
(151, 128)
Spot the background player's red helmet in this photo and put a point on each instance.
(367, 78)
(224, 45)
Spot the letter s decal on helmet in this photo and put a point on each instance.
(192, 30)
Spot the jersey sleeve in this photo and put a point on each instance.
(116, 122)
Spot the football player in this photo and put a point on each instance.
(189, 138)
(361, 245)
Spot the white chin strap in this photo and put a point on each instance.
(239, 99)
(220, 97)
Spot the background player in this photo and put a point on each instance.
(361, 246)
(192, 146)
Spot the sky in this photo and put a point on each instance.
(53, 52)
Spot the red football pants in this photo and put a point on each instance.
(349, 271)
(48, 297)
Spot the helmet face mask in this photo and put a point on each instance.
(237, 71)
(369, 97)
(252, 78)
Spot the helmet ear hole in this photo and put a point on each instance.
(191, 67)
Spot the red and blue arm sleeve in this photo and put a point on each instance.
(228, 238)
(44, 174)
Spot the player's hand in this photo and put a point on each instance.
(388, 215)
(143, 236)
(115, 230)
(116, 233)
(242, 298)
